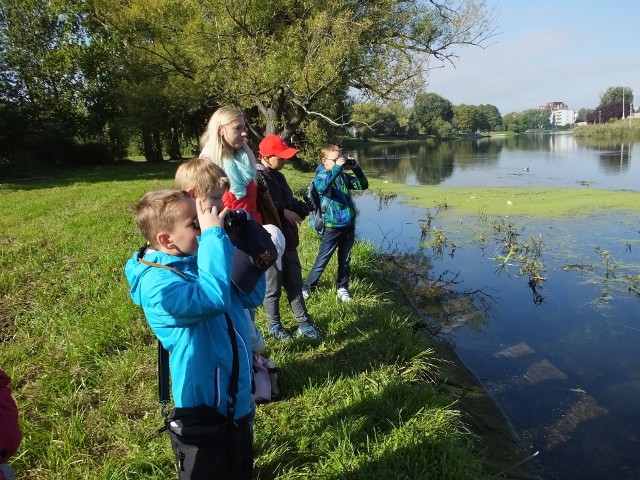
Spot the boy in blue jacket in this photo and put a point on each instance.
(183, 280)
(334, 186)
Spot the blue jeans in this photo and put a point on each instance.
(341, 239)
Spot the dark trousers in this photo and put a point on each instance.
(289, 278)
(333, 239)
(229, 459)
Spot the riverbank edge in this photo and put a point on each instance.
(505, 455)
(503, 450)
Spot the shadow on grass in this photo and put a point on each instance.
(123, 171)
(365, 385)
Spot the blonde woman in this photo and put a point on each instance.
(224, 143)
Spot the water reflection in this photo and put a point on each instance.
(561, 363)
(525, 160)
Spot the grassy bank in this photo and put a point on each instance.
(619, 130)
(372, 400)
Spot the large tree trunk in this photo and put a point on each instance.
(152, 148)
(157, 144)
(147, 146)
(174, 145)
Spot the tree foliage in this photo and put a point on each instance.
(608, 112)
(430, 110)
(104, 70)
(48, 85)
(466, 118)
(370, 118)
(616, 94)
(613, 102)
(289, 60)
(489, 118)
(532, 119)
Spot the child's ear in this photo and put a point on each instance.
(192, 193)
(165, 240)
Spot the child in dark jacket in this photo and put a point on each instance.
(334, 186)
(274, 152)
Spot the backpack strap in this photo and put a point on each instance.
(163, 378)
(235, 369)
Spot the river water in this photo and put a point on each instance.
(560, 358)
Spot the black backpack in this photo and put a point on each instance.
(316, 212)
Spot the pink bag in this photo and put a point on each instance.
(265, 379)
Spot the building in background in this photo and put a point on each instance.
(554, 106)
(561, 114)
(563, 117)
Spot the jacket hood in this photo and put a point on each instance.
(135, 269)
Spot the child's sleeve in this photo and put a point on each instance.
(257, 341)
(256, 297)
(324, 179)
(359, 182)
(215, 264)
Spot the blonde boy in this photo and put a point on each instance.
(182, 278)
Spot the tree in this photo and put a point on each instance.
(46, 53)
(466, 118)
(290, 60)
(583, 113)
(370, 118)
(532, 119)
(366, 116)
(430, 110)
(489, 118)
(403, 116)
(611, 105)
(616, 94)
(608, 112)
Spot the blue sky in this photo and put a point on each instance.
(547, 50)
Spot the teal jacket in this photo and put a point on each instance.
(333, 186)
(186, 312)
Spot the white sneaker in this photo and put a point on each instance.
(343, 295)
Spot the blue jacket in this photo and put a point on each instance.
(333, 186)
(187, 315)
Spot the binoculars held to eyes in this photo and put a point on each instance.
(350, 162)
(234, 221)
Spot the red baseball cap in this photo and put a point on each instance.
(275, 145)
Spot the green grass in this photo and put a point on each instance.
(366, 402)
(627, 129)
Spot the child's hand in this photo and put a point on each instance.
(209, 217)
(292, 217)
(341, 161)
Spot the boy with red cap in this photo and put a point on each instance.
(274, 151)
